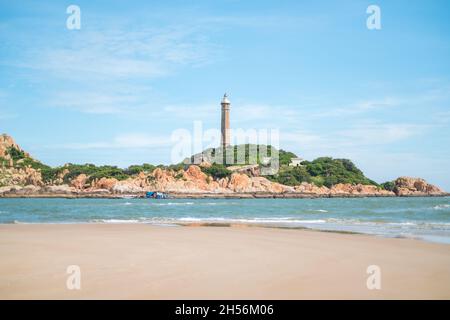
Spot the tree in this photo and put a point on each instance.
(388, 185)
(334, 171)
(292, 176)
(217, 171)
(136, 169)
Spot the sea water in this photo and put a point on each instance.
(425, 218)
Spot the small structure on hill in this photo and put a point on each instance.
(296, 162)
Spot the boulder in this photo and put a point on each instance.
(20, 176)
(61, 189)
(7, 142)
(239, 182)
(60, 177)
(5, 189)
(359, 190)
(408, 186)
(104, 183)
(126, 187)
(310, 188)
(195, 173)
(79, 181)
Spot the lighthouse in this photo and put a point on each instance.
(225, 124)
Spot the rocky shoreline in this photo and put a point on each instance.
(28, 193)
(193, 183)
(18, 179)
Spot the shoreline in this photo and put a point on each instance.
(230, 224)
(235, 195)
(234, 263)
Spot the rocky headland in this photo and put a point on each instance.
(22, 176)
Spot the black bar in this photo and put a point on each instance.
(224, 309)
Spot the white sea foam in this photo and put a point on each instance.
(441, 206)
(325, 222)
(321, 210)
(194, 219)
(173, 203)
(274, 220)
(224, 203)
(401, 223)
(117, 220)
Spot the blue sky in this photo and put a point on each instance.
(114, 91)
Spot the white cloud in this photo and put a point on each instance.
(103, 71)
(256, 111)
(356, 139)
(375, 134)
(200, 111)
(117, 54)
(300, 138)
(107, 99)
(358, 107)
(442, 117)
(122, 141)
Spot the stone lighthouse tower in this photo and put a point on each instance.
(225, 125)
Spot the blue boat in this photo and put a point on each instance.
(155, 195)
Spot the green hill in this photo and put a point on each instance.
(324, 171)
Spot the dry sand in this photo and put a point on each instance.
(137, 261)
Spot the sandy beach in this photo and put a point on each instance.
(139, 261)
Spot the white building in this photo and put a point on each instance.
(296, 162)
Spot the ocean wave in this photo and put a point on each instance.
(173, 204)
(388, 224)
(223, 203)
(282, 220)
(402, 223)
(321, 210)
(441, 206)
(116, 220)
(286, 221)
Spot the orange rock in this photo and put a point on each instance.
(79, 182)
(7, 142)
(60, 177)
(415, 186)
(141, 175)
(310, 188)
(239, 182)
(105, 183)
(195, 173)
(223, 182)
